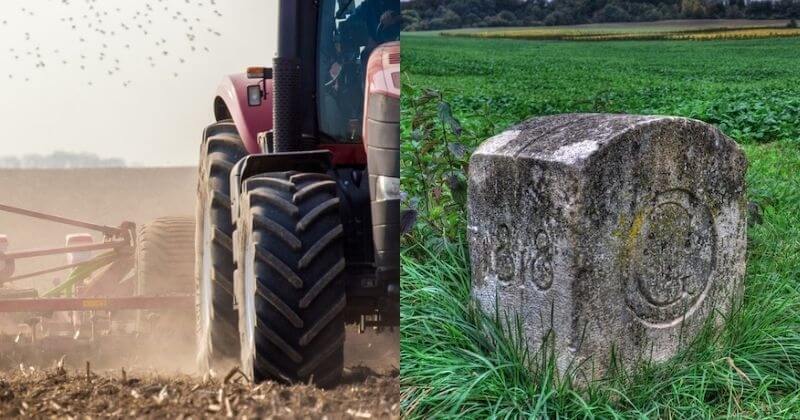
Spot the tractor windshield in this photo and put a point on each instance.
(348, 32)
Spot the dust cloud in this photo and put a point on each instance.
(111, 196)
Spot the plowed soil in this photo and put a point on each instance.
(63, 393)
(159, 382)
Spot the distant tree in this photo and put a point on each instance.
(9, 162)
(470, 19)
(694, 9)
(611, 13)
(411, 18)
(734, 12)
(535, 12)
(444, 19)
(474, 7)
(559, 17)
(59, 160)
(504, 18)
(759, 10)
(490, 21)
(446, 14)
(787, 9)
(651, 14)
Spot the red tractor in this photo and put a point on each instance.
(298, 211)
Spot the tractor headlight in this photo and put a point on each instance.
(387, 188)
(254, 95)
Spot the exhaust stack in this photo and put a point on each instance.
(287, 115)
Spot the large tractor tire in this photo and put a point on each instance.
(217, 321)
(164, 267)
(289, 283)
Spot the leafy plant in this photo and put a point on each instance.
(435, 162)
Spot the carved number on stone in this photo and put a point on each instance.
(502, 259)
(539, 261)
(528, 263)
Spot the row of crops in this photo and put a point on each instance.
(642, 34)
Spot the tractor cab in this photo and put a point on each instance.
(349, 31)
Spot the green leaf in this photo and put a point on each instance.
(457, 149)
(446, 115)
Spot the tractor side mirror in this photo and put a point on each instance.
(254, 95)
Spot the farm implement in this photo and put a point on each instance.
(133, 285)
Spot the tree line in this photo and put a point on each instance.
(59, 160)
(420, 15)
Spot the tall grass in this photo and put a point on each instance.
(459, 361)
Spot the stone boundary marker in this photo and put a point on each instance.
(620, 233)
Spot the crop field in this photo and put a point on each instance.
(460, 91)
(661, 30)
(629, 27)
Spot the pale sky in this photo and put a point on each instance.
(158, 118)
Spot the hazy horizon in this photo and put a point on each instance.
(143, 95)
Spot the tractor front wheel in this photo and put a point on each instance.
(217, 334)
(289, 285)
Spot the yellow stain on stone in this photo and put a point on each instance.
(636, 227)
(629, 235)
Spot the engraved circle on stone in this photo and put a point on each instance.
(539, 261)
(672, 258)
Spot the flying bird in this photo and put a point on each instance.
(93, 25)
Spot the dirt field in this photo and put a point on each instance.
(160, 382)
(62, 393)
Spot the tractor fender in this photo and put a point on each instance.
(316, 161)
(383, 70)
(231, 103)
(381, 133)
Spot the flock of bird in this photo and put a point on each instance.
(99, 37)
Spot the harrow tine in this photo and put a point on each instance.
(41, 272)
(63, 250)
(107, 230)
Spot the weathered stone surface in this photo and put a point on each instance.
(618, 232)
